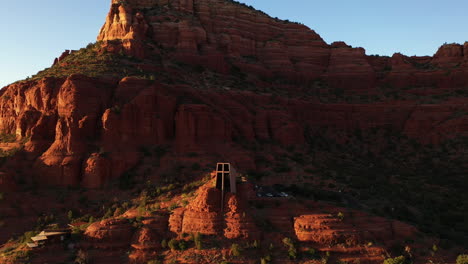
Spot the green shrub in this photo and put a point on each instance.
(109, 213)
(173, 244)
(173, 206)
(235, 250)
(8, 153)
(141, 210)
(70, 215)
(182, 245)
(267, 258)
(340, 216)
(462, 259)
(27, 236)
(118, 211)
(271, 247)
(7, 138)
(312, 253)
(197, 240)
(288, 242)
(397, 260)
(82, 257)
(164, 243)
(255, 244)
(292, 251)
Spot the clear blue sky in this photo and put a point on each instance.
(34, 32)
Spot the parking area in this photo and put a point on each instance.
(268, 191)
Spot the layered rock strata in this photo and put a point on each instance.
(88, 131)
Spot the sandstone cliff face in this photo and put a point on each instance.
(80, 102)
(202, 215)
(219, 34)
(349, 68)
(146, 243)
(109, 234)
(449, 55)
(359, 228)
(212, 30)
(83, 135)
(239, 222)
(205, 215)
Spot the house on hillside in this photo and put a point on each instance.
(49, 237)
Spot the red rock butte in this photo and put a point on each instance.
(170, 88)
(67, 118)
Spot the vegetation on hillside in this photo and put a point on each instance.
(94, 61)
(400, 178)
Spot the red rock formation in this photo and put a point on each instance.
(62, 57)
(283, 47)
(145, 242)
(353, 228)
(142, 115)
(122, 23)
(202, 215)
(449, 55)
(146, 239)
(69, 121)
(97, 171)
(79, 104)
(239, 222)
(151, 117)
(349, 69)
(400, 62)
(175, 220)
(347, 233)
(157, 223)
(228, 79)
(109, 234)
(197, 124)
